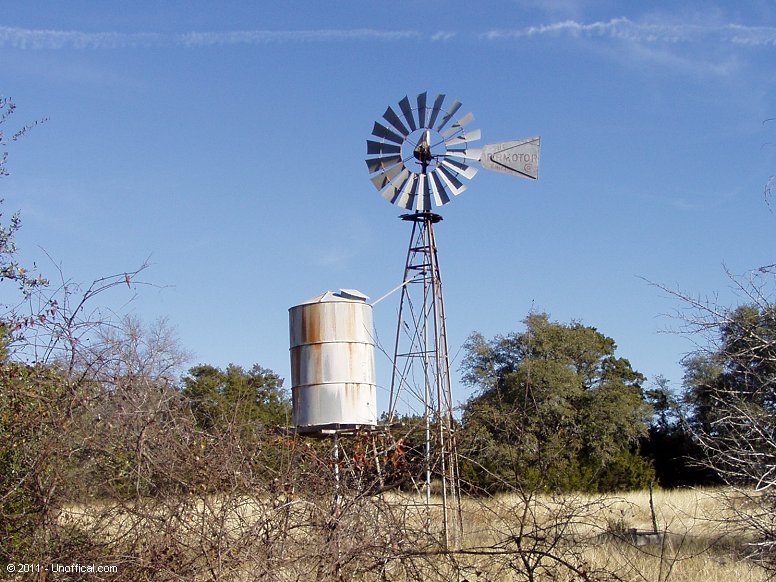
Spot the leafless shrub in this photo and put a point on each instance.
(731, 382)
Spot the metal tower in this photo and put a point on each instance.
(422, 370)
(418, 158)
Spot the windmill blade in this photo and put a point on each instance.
(435, 110)
(459, 125)
(468, 154)
(419, 188)
(422, 110)
(384, 133)
(391, 117)
(424, 196)
(406, 110)
(382, 179)
(438, 190)
(449, 115)
(453, 183)
(472, 135)
(377, 164)
(467, 172)
(381, 148)
(406, 198)
(391, 193)
(421, 200)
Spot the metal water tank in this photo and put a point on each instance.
(332, 362)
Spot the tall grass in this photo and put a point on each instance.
(395, 537)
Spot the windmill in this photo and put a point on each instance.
(419, 157)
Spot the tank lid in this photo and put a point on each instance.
(341, 295)
(353, 294)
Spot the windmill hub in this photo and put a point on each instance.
(422, 151)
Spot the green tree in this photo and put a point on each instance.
(238, 412)
(252, 399)
(670, 444)
(556, 408)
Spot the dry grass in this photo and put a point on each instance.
(507, 537)
(698, 544)
(695, 542)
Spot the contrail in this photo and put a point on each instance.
(22, 38)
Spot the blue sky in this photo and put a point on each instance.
(226, 142)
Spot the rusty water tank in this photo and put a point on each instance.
(332, 362)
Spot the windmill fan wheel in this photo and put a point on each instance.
(419, 155)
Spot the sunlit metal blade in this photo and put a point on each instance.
(381, 148)
(459, 125)
(406, 110)
(435, 110)
(465, 120)
(449, 115)
(455, 185)
(422, 110)
(406, 198)
(438, 189)
(391, 193)
(424, 196)
(383, 132)
(472, 135)
(391, 117)
(377, 164)
(467, 172)
(467, 154)
(382, 179)
(421, 201)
